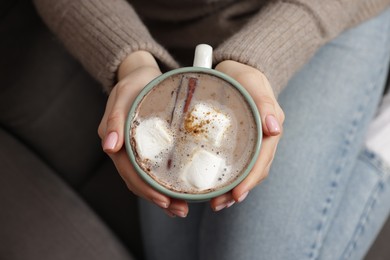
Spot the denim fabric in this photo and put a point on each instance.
(362, 211)
(326, 196)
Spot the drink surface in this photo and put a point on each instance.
(193, 133)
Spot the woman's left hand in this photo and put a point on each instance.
(272, 117)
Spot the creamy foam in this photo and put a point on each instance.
(203, 133)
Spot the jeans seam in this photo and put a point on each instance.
(384, 173)
(321, 228)
(375, 161)
(333, 185)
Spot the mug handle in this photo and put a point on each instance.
(203, 56)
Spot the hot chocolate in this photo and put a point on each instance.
(193, 133)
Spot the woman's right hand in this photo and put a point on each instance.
(137, 70)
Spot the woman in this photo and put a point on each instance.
(319, 183)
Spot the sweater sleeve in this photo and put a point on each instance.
(100, 34)
(281, 38)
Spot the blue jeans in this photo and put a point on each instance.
(326, 196)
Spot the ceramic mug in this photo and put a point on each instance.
(202, 64)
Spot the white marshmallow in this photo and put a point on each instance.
(203, 169)
(152, 136)
(210, 123)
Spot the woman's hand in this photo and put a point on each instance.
(140, 68)
(272, 118)
(137, 70)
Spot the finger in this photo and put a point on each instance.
(178, 208)
(134, 182)
(221, 202)
(260, 169)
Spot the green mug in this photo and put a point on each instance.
(197, 169)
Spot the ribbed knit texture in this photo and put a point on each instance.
(100, 34)
(281, 38)
(278, 40)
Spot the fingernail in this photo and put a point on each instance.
(224, 205)
(110, 141)
(230, 203)
(160, 203)
(242, 197)
(272, 124)
(220, 207)
(178, 213)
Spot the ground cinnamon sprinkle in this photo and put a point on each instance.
(192, 128)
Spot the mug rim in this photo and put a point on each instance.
(192, 197)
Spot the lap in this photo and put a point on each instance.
(41, 217)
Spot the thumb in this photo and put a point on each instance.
(114, 126)
(124, 93)
(259, 88)
(270, 112)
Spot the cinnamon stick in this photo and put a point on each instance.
(192, 83)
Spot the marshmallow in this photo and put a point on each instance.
(203, 169)
(207, 122)
(152, 136)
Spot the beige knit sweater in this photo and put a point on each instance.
(276, 37)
